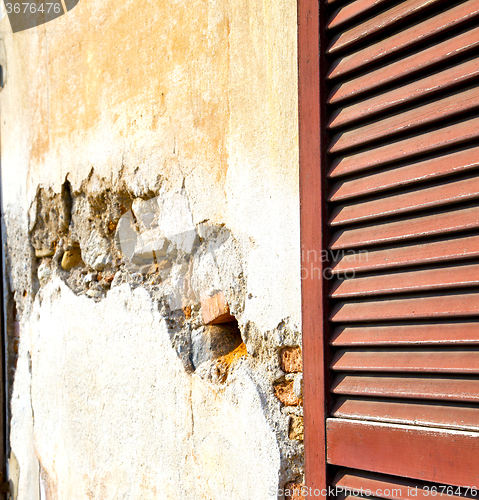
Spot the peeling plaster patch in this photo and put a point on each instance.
(151, 241)
(156, 252)
(119, 383)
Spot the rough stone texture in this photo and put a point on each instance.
(285, 393)
(176, 122)
(291, 359)
(296, 428)
(49, 217)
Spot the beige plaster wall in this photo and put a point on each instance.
(197, 98)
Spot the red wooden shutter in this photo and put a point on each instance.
(403, 190)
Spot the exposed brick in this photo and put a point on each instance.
(108, 279)
(296, 428)
(292, 491)
(291, 359)
(285, 393)
(215, 310)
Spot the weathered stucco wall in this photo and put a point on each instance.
(185, 114)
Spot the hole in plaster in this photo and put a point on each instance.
(215, 349)
(211, 342)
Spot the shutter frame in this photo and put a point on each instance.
(399, 167)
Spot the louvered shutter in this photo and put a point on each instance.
(403, 189)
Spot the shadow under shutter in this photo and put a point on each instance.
(403, 196)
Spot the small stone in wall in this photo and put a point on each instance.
(285, 393)
(44, 252)
(298, 385)
(296, 428)
(90, 278)
(96, 251)
(293, 491)
(109, 278)
(95, 294)
(117, 279)
(44, 272)
(291, 359)
(71, 258)
(147, 251)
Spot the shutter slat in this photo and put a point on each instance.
(407, 361)
(440, 109)
(406, 39)
(431, 252)
(389, 487)
(413, 200)
(381, 21)
(405, 450)
(405, 148)
(453, 333)
(406, 175)
(462, 73)
(441, 54)
(435, 415)
(410, 387)
(412, 227)
(441, 305)
(350, 11)
(408, 281)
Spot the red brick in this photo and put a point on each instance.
(215, 310)
(285, 393)
(292, 491)
(291, 359)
